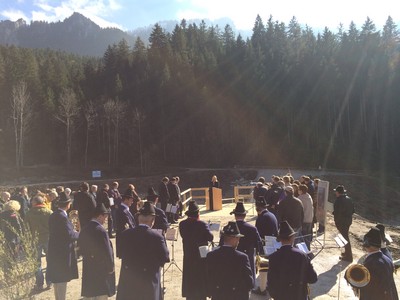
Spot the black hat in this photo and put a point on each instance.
(373, 238)
(128, 194)
(261, 202)
(193, 208)
(231, 230)
(384, 237)
(285, 230)
(63, 198)
(151, 195)
(147, 209)
(239, 209)
(101, 209)
(340, 189)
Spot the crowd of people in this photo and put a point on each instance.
(285, 211)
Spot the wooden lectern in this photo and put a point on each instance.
(216, 198)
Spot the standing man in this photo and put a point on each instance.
(102, 198)
(266, 222)
(174, 197)
(22, 197)
(343, 210)
(115, 200)
(290, 270)
(229, 274)
(250, 243)
(98, 274)
(61, 260)
(160, 221)
(143, 253)
(381, 285)
(93, 191)
(291, 209)
(124, 218)
(84, 203)
(163, 193)
(38, 220)
(307, 226)
(194, 233)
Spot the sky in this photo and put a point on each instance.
(131, 14)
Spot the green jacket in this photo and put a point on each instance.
(38, 220)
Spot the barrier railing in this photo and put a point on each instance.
(241, 193)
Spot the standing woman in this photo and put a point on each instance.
(213, 184)
(194, 233)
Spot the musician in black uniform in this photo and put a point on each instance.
(251, 242)
(290, 269)
(163, 193)
(229, 274)
(381, 285)
(194, 233)
(143, 253)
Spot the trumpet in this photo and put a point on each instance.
(357, 276)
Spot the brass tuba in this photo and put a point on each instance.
(74, 218)
(357, 276)
(262, 263)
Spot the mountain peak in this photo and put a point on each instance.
(78, 18)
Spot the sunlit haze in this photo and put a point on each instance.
(130, 14)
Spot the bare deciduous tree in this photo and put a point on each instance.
(138, 118)
(68, 109)
(90, 117)
(114, 111)
(22, 111)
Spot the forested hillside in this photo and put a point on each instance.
(202, 96)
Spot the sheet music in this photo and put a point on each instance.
(111, 201)
(171, 234)
(271, 245)
(303, 247)
(215, 226)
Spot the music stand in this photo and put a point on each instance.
(172, 235)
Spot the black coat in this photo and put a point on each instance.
(289, 272)
(249, 243)
(124, 220)
(291, 210)
(98, 276)
(61, 259)
(229, 275)
(163, 195)
(174, 194)
(85, 205)
(343, 210)
(194, 233)
(267, 224)
(381, 285)
(143, 253)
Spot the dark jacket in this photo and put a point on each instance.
(173, 191)
(124, 220)
(102, 198)
(98, 276)
(291, 210)
(229, 275)
(194, 233)
(61, 259)
(163, 195)
(343, 210)
(267, 224)
(143, 253)
(85, 205)
(289, 272)
(381, 285)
